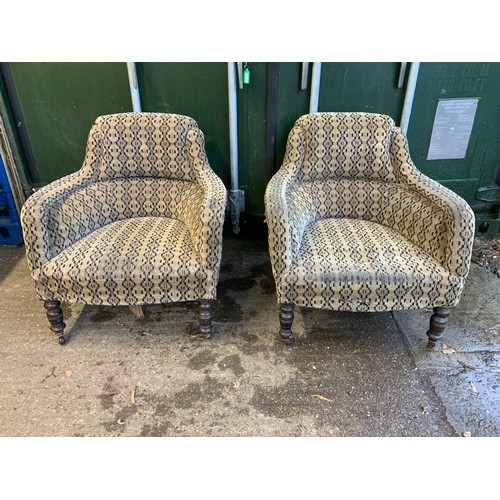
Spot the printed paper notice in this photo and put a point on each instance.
(452, 128)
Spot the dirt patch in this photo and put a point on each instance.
(486, 253)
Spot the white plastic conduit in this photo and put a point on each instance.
(236, 196)
(233, 125)
(409, 96)
(315, 86)
(134, 87)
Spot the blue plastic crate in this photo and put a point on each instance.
(3, 199)
(4, 181)
(11, 232)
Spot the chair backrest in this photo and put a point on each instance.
(345, 145)
(143, 145)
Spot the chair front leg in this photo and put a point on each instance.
(286, 320)
(55, 317)
(437, 325)
(205, 318)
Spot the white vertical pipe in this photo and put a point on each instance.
(134, 87)
(233, 125)
(315, 86)
(409, 96)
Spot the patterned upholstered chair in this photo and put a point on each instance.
(140, 222)
(354, 226)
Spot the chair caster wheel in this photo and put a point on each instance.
(62, 340)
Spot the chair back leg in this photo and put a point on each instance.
(55, 317)
(286, 320)
(205, 318)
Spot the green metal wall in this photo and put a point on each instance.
(252, 148)
(459, 80)
(60, 101)
(194, 89)
(367, 87)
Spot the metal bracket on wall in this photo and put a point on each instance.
(304, 76)
(402, 73)
(236, 205)
(240, 74)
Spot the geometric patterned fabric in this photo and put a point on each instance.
(349, 145)
(140, 222)
(128, 259)
(353, 264)
(353, 225)
(143, 145)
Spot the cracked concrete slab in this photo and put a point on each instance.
(465, 368)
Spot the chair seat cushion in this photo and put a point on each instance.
(358, 265)
(142, 260)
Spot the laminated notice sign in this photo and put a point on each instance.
(452, 128)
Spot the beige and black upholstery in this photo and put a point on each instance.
(354, 226)
(140, 222)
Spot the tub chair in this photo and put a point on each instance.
(354, 226)
(139, 223)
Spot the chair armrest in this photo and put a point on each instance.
(41, 219)
(458, 217)
(46, 229)
(204, 211)
(287, 216)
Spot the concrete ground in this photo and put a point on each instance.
(347, 374)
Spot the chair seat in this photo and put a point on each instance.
(358, 265)
(142, 260)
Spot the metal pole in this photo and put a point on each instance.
(409, 96)
(236, 196)
(233, 125)
(27, 150)
(315, 86)
(304, 76)
(134, 87)
(272, 116)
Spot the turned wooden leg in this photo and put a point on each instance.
(55, 317)
(137, 311)
(286, 320)
(437, 325)
(205, 318)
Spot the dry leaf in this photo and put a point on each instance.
(68, 373)
(132, 396)
(322, 398)
(447, 350)
(473, 387)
